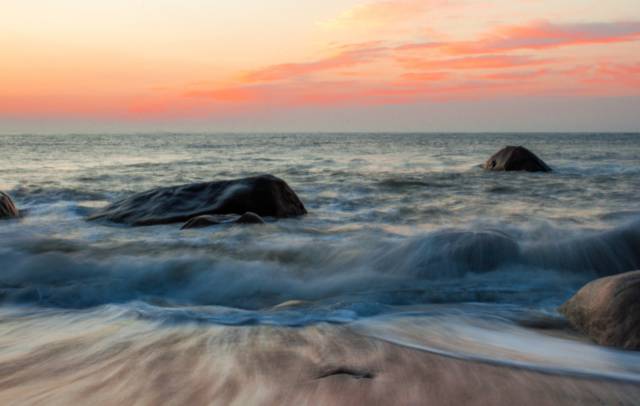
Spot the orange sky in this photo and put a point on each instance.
(251, 65)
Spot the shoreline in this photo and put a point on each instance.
(321, 365)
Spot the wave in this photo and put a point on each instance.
(488, 334)
(606, 253)
(356, 278)
(34, 194)
(454, 252)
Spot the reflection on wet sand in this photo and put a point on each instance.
(76, 359)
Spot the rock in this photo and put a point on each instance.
(608, 310)
(249, 218)
(201, 222)
(214, 220)
(8, 210)
(265, 195)
(346, 371)
(516, 159)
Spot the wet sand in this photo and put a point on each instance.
(130, 363)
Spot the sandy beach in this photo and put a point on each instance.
(318, 365)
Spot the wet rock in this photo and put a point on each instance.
(264, 195)
(516, 159)
(608, 310)
(201, 222)
(8, 210)
(346, 371)
(249, 218)
(214, 220)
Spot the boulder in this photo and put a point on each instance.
(8, 210)
(249, 218)
(201, 222)
(214, 220)
(608, 310)
(516, 159)
(264, 195)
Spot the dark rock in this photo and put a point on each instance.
(249, 218)
(214, 220)
(346, 371)
(516, 159)
(265, 195)
(8, 210)
(201, 222)
(608, 310)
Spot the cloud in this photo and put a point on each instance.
(486, 67)
(608, 73)
(352, 56)
(517, 75)
(537, 35)
(473, 62)
(618, 70)
(425, 76)
(229, 94)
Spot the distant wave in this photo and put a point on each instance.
(32, 194)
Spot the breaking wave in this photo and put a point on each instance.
(329, 281)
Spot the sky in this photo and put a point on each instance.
(319, 65)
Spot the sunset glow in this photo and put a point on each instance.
(245, 65)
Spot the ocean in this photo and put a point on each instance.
(408, 242)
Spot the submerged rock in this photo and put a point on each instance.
(8, 210)
(249, 218)
(201, 222)
(467, 251)
(265, 195)
(454, 252)
(516, 159)
(608, 310)
(480, 251)
(214, 220)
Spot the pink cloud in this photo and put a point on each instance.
(425, 76)
(353, 56)
(481, 68)
(472, 62)
(537, 35)
(230, 94)
(517, 75)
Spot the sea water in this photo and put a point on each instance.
(407, 240)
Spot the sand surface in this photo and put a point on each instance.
(318, 365)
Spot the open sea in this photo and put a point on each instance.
(407, 241)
